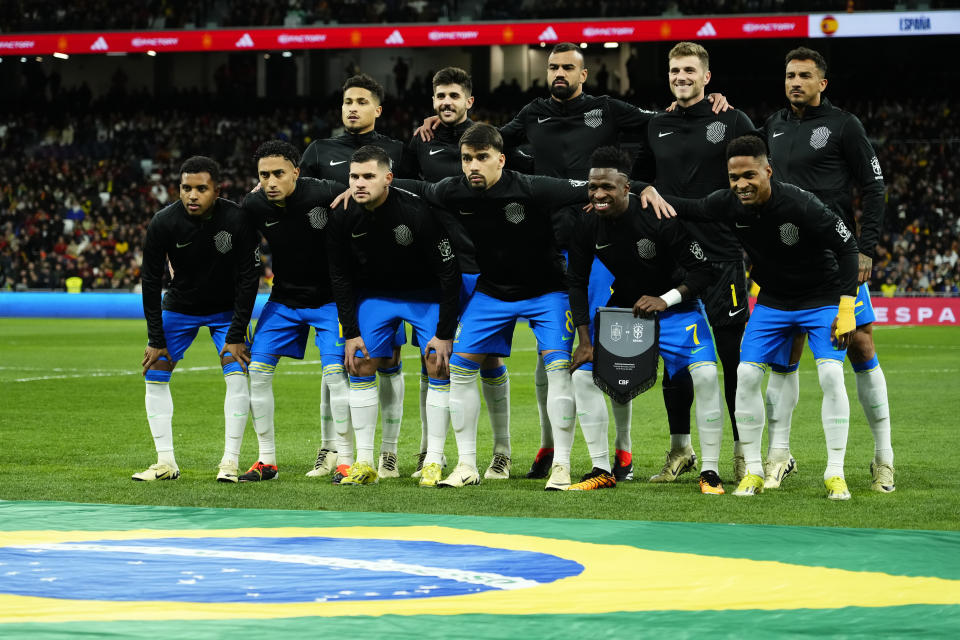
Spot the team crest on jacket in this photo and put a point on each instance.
(223, 241)
(577, 183)
(716, 132)
(790, 234)
(877, 171)
(696, 250)
(403, 235)
(514, 212)
(646, 249)
(318, 217)
(446, 250)
(843, 231)
(819, 137)
(593, 118)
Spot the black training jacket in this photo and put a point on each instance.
(296, 232)
(397, 250)
(827, 153)
(803, 254)
(215, 262)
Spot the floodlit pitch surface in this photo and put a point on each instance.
(73, 429)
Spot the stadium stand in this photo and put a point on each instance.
(77, 192)
(25, 16)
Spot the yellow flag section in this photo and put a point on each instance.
(615, 578)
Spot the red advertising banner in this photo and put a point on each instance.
(912, 311)
(924, 311)
(460, 34)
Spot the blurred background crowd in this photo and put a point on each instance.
(81, 175)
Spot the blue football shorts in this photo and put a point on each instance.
(768, 337)
(283, 331)
(180, 330)
(487, 323)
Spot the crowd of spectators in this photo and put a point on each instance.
(103, 15)
(76, 192)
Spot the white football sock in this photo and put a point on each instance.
(709, 415)
(749, 414)
(465, 412)
(496, 395)
(236, 408)
(835, 413)
(363, 414)
(562, 411)
(783, 392)
(622, 418)
(391, 408)
(438, 419)
(540, 384)
(328, 429)
(424, 387)
(594, 421)
(262, 406)
(680, 441)
(335, 381)
(872, 393)
(159, 405)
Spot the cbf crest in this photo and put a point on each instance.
(403, 235)
(637, 332)
(446, 249)
(696, 250)
(223, 241)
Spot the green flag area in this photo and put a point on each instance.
(155, 571)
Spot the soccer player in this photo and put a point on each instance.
(293, 213)
(434, 160)
(805, 261)
(659, 268)
(507, 217)
(391, 261)
(684, 156)
(330, 159)
(214, 257)
(825, 150)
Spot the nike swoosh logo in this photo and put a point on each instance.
(694, 352)
(270, 224)
(333, 164)
(185, 244)
(779, 133)
(357, 235)
(542, 120)
(733, 313)
(661, 134)
(742, 226)
(466, 213)
(565, 339)
(601, 246)
(239, 415)
(434, 152)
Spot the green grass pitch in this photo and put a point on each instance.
(73, 428)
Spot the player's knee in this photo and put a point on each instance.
(368, 367)
(861, 346)
(749, 376)
(433, 367)
(704, 377)
(830, 373)
(163, 364)
(492, 362)
(231, 367)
